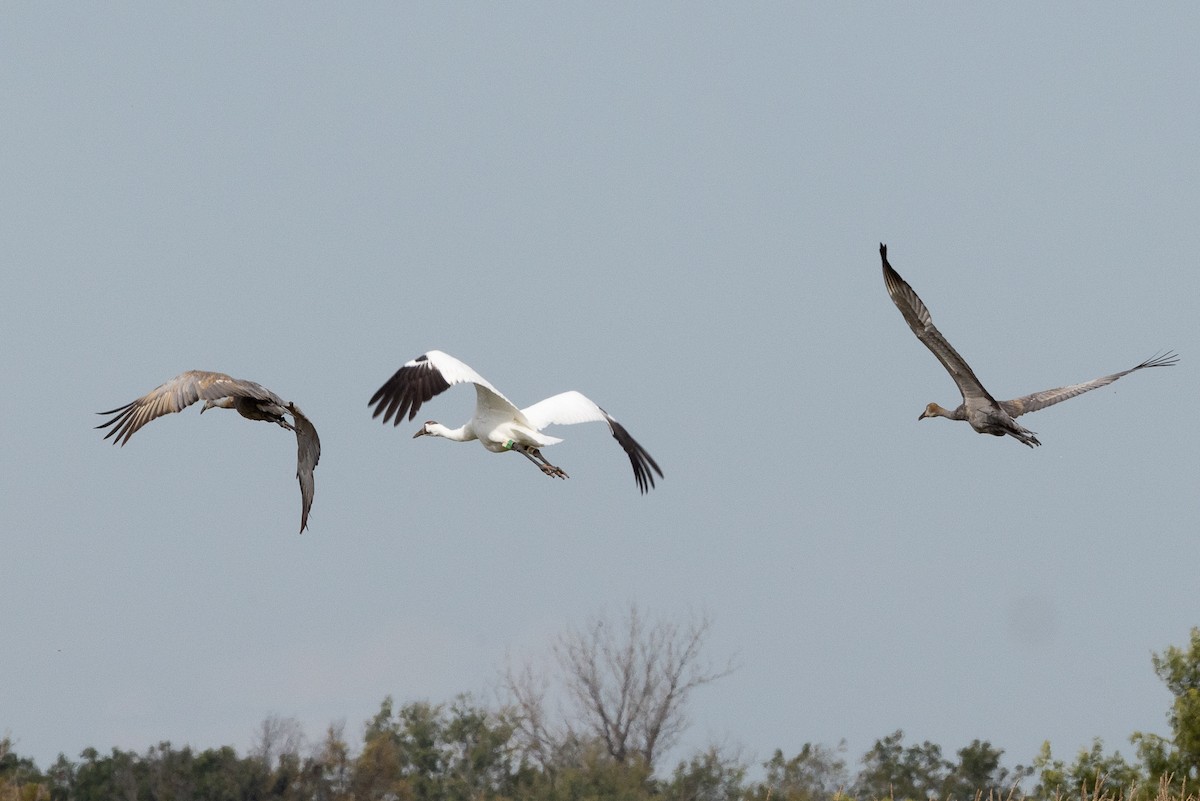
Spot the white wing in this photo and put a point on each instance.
(176, 395)
(427, 375)
(564, 409)
(572, 407)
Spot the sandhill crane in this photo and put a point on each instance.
(498, 424)
(985, 414)
(219, 391)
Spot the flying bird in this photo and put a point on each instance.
(498, 424)
(219, 391)
(985, 414)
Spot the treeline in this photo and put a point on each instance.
(628, 685)
(462, 751)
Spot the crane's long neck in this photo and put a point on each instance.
(461, 434)
(933, 410)
(219, 403)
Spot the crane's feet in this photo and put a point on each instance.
(535, 456)
(552, 471)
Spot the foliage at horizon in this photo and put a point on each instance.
(464, 751)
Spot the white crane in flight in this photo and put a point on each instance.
(497, 423)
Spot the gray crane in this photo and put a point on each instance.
(219, 391)
(985, 414)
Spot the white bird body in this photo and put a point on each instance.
(497, 423)
(219, 391)
(984, 413)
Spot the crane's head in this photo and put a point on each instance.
(933, 410)
(219, 403)
(425, 429)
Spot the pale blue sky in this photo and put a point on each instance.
(674, 209)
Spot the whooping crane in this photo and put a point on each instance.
(498, 424)
(219, 391)
(985, 414)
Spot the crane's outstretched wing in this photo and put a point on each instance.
(308, 453)
(176, 395)
(1049, 397)
(918, 319)
(419, 380)
(572, 407)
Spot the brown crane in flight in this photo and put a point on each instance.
(985, 414)
(219, 391)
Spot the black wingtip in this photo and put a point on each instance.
(122, 428)
(1167, 359)
(883, 251)
(643, 463)
(403, 393)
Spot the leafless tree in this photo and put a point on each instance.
(540, 739)
(277, 738)
(630, 679)
(626, 682)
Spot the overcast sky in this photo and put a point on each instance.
(675, 209)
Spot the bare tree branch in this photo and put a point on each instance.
(630, 680)
(277, 737)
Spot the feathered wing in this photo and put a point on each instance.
(921, 323)
(572, 407)
(176, 395)
(308, 453)
(1049, 397)
(419, 380)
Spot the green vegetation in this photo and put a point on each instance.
(465, 751)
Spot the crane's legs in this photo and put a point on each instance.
(540, 461)
(1022, 434)
(253, 409)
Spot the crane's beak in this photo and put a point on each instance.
(923, 415)
(420, 433)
